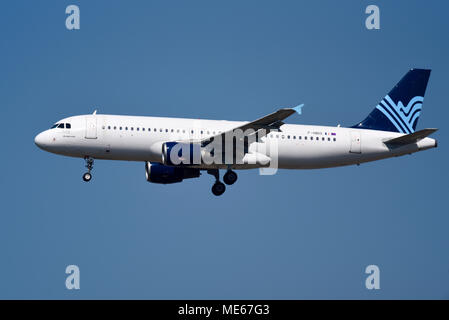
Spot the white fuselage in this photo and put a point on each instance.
(135, 138)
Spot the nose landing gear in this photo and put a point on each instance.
(89, 165)
(87, 176)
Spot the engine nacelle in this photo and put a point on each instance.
(159, 173)
(181, 154)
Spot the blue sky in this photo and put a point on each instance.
(294, 235)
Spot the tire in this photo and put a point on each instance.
(218, 188)
(87, 177)
(230, 177)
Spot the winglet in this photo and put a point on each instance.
(298, 108)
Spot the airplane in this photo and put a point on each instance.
(168, 146)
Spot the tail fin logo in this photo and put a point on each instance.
(402, 117)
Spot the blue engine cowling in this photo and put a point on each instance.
(181, 154)
(159, 173)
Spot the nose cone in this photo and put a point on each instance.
(38, 140)
(41, 140)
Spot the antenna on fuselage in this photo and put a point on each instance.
(95, 112)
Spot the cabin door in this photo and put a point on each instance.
(356, 142)
(91, 127)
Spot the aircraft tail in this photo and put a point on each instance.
(399, 111)
(411, 138)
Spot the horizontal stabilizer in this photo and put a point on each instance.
(410, 138)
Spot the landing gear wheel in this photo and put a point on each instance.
(218, 188)
(89, 165)
(230, 177)
(87, 176)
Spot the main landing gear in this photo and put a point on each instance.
(219, 187)
(230, 177)
(89, 165)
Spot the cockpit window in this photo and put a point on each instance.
(61, 126)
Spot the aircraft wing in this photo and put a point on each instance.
(269, 122)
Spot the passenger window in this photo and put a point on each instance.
(68, 126)
(160, 130)
(109, 127)
(294, 137)
(317, 138)
(172, 130)
(288, 137)
(335, 139)
(305, 138)
(166, 130)
(328, 139)
(322, 139)
(143, 129)
(120, 128)
(132, 128)
(104, 127)
(277, 136)
(115, 128)
(126, 128)
(137, 128)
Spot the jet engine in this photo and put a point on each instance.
(179, 154)
(159, 173)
